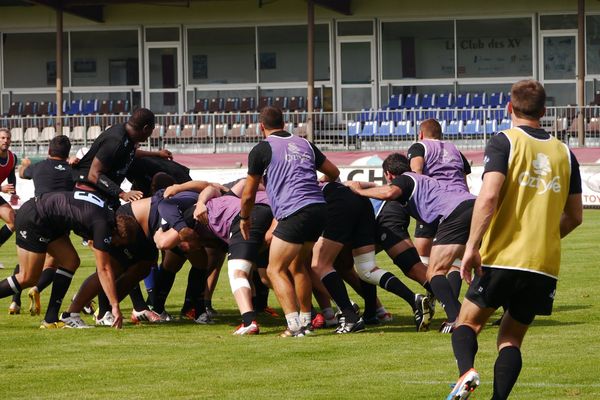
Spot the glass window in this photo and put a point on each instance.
(355, 28)
(559, 57)
(592, 28)
(108, 58)
(221, 55)
(418, 49)
(30, 60)
(162, 34)
(283, 52)
(549, 22)
(494, 47)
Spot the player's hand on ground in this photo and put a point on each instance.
(132, 195)
(8, 188)
(164, 153)
(116, 312)
(471, 260)
(171, 191)
(201, 213)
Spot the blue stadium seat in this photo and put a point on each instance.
(386, 128)
(446, 115)
(444, 100)
(478, 100)
(365, 115)
(395, 102)
(490, 126)
(411, 101)
(426, 114)
(471, 127)
(75, 108)
(462, 100)
(403, 128)
(369, 128)
(354, 128)
(454, 128)
(90, 107)
(504, 124)
(396, 115)
(381, 115)
(428, 101)
(505, 99)
(495, 99)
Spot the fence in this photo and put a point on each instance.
(375, 130)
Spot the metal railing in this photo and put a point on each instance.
(375, 130)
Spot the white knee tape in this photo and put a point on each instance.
(238, 265)
(364, 265)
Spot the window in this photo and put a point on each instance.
(222, 55)
(355, 28)
(283, 50)
(108, 58)
(420, 50)
(30, 60)
(592, 52)
(494, 47)
(551, 22)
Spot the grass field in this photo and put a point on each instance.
(182, 360)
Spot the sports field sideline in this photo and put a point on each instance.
(183, 360)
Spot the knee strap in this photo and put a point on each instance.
(238, 265)
(364, 265)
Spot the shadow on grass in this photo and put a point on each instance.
(571, 307)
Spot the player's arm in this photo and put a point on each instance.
(190, 186)
(572, 215)
(12, 180)
(416, 157)
(25, 163)
(97, 176)
(166, 240)
(107, 280)
(201, 212)
(369, 189)
(164, 153)
(330, 171)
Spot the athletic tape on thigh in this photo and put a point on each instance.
(364, 264)
(238, 265)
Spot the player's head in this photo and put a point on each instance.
(430, 129)
(528, 99)
(395, 165)
(142, 121)
(5, 137)
(126, 229)
(161, 180)
(59, 147)
(271, 118)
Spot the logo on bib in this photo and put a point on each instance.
(537, 180)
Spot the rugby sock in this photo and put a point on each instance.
(369, 294)
(261, 296)
(328, 312)
(464, 344)
(60, 285)
(194, 293)
(208, 303)
(427, 287)
(9, 286)
(17, 296)
(163, 283)
(103, 304)
(149, 283)
(5, 233)
(506, 371)
(293, 321)
(392, 284)
(455, 282)
(305, 318)
(137, 299)
(337, 289)
(248, 317)
(45, 279)
(443, 292)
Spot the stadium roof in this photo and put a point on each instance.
(94, 9)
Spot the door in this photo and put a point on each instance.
(356, 74)
(164, 73)
(558, 69)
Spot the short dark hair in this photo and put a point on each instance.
(396, 164)
(161, 180)
(141, 117)
(126, 229)
(60, 146)
(271, 118)
(528, 98)
(431, 128)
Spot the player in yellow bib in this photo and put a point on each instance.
(530, 198)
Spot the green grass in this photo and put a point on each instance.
(184, 361)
